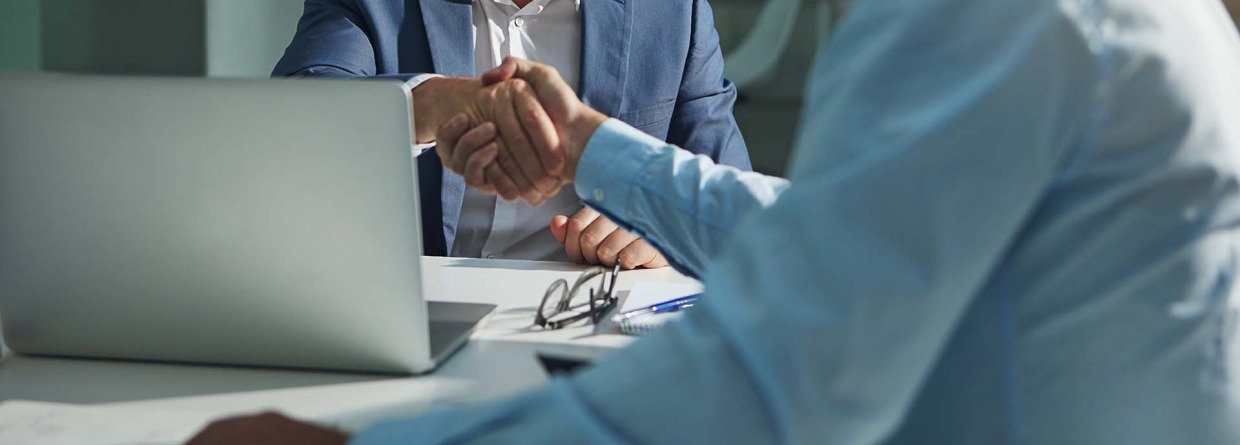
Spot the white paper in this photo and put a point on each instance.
(39, 423)
(649, 293)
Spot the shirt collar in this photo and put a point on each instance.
(539, 4)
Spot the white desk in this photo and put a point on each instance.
(499, 360)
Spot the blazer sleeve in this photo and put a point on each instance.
(703, 120)
(333, 39)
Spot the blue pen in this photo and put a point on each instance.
(659, 308)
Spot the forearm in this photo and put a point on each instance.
(685, 205)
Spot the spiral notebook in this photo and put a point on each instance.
(649, 293)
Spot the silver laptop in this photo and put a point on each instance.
(244, 222)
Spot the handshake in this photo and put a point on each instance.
(518, 132)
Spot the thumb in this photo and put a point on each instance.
(503, 72)
(559, 227)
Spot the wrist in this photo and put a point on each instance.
(576, 136)
(438, 99)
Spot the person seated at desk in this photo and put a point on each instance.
(1007, 222)
(655, 65)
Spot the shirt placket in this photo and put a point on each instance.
(506, 218)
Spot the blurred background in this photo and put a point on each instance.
(769, 46)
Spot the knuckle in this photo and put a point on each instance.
(586, 214)
(514, 179)
(641, 256)
(528, 119)
(529, 116)
(506, 163)
(607, 252)
(534, 178)
(476, 165)
(576, 225)
(589, 239)
(629, 255)
(472, 139)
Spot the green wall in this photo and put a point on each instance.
(136, 37)
(19, 35)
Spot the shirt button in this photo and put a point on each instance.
(598, 194)
(519, 22)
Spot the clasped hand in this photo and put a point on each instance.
(523, 139)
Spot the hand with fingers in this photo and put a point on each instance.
(591, 238)
(536, 133)
(556, 126)
(516, 126)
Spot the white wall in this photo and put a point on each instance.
(245, 38)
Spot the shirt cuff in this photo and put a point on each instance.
(418, 149)
(610, 165)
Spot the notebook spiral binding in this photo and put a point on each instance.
(646, 323)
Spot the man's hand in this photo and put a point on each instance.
(266, 429)
(515, 132)
(587, 237)
(591, 238)
(546, 109)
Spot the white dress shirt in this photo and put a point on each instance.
(1008, 222)
(546, 31)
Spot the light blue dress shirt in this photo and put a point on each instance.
(1007, 222)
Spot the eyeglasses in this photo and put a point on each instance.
(567, 309)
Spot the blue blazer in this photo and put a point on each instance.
(654, 64)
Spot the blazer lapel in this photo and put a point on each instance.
(449, 32)
(605, 28)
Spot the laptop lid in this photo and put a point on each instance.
(251, 222)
